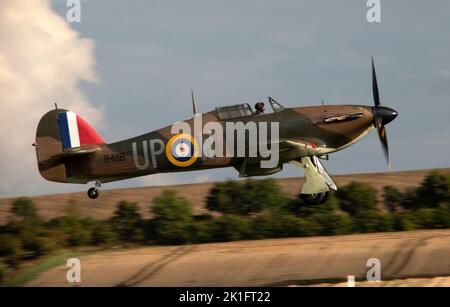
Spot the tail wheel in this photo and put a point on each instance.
(93, 193)
(315, 199)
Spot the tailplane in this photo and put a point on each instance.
(61, 133)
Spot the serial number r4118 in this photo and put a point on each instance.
(117, 157)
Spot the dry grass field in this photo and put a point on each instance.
(415, 258)
(50, 206)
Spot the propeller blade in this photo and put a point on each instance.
(384, 144)
(376, 95)
(381, 116)
(377, 121)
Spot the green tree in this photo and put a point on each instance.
(321, 219)
(263, 194)
(24, 208)
(76, 230)
(40, 246)
(360, 201)
(127, 222)
(302, 209)
(372, 221)
(393, 198)
(358, 198)
(201, 230)
(404, 221)
(328, 224)
(424, 218)
(386, 222)
(252, 196)
(278, 224)
(435, 189)
(11, 249)
(410, 199)
(441, 218)
(172, 217)
(32, 235)
(10, 245)
(231, 228)
(3, 271)
(102, 233)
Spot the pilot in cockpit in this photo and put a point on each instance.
(259, 107)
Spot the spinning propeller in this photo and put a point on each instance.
(381, 116)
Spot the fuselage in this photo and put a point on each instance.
(323, 130)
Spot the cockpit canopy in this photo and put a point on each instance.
(234, 111)
(243, 110)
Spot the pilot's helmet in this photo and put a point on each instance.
(259, 106)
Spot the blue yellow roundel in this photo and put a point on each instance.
(182, 150)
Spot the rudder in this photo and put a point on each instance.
(60, 131)
(75, 132)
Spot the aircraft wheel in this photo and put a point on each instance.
(315, 199)
(93, 193)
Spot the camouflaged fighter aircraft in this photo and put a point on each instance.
(69, 150)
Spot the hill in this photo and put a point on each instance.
(51, 206)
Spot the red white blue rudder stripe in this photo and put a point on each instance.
(75, 132)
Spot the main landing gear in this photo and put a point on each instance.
(318, 183)
(316, 198)
(94, 192)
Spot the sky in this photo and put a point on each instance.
(128, 68)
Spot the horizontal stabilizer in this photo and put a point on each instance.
(78, 152)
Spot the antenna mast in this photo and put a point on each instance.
(194, 108)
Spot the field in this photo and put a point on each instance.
(407, 258)
(51, 206)
(417, 258)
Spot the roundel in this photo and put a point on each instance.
(182, 150)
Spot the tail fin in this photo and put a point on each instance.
(58, 132)
(75, 132)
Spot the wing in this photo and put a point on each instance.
(298, 147)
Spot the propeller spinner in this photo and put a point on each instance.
(381, 116)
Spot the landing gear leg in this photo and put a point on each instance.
(317, 184)
(94, 192)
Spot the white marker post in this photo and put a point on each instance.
(351, 281)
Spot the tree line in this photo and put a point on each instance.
(251, 209)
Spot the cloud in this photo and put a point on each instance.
(42, 61)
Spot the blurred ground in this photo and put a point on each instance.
(416, 255)
(407, 282)
(51, 206)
